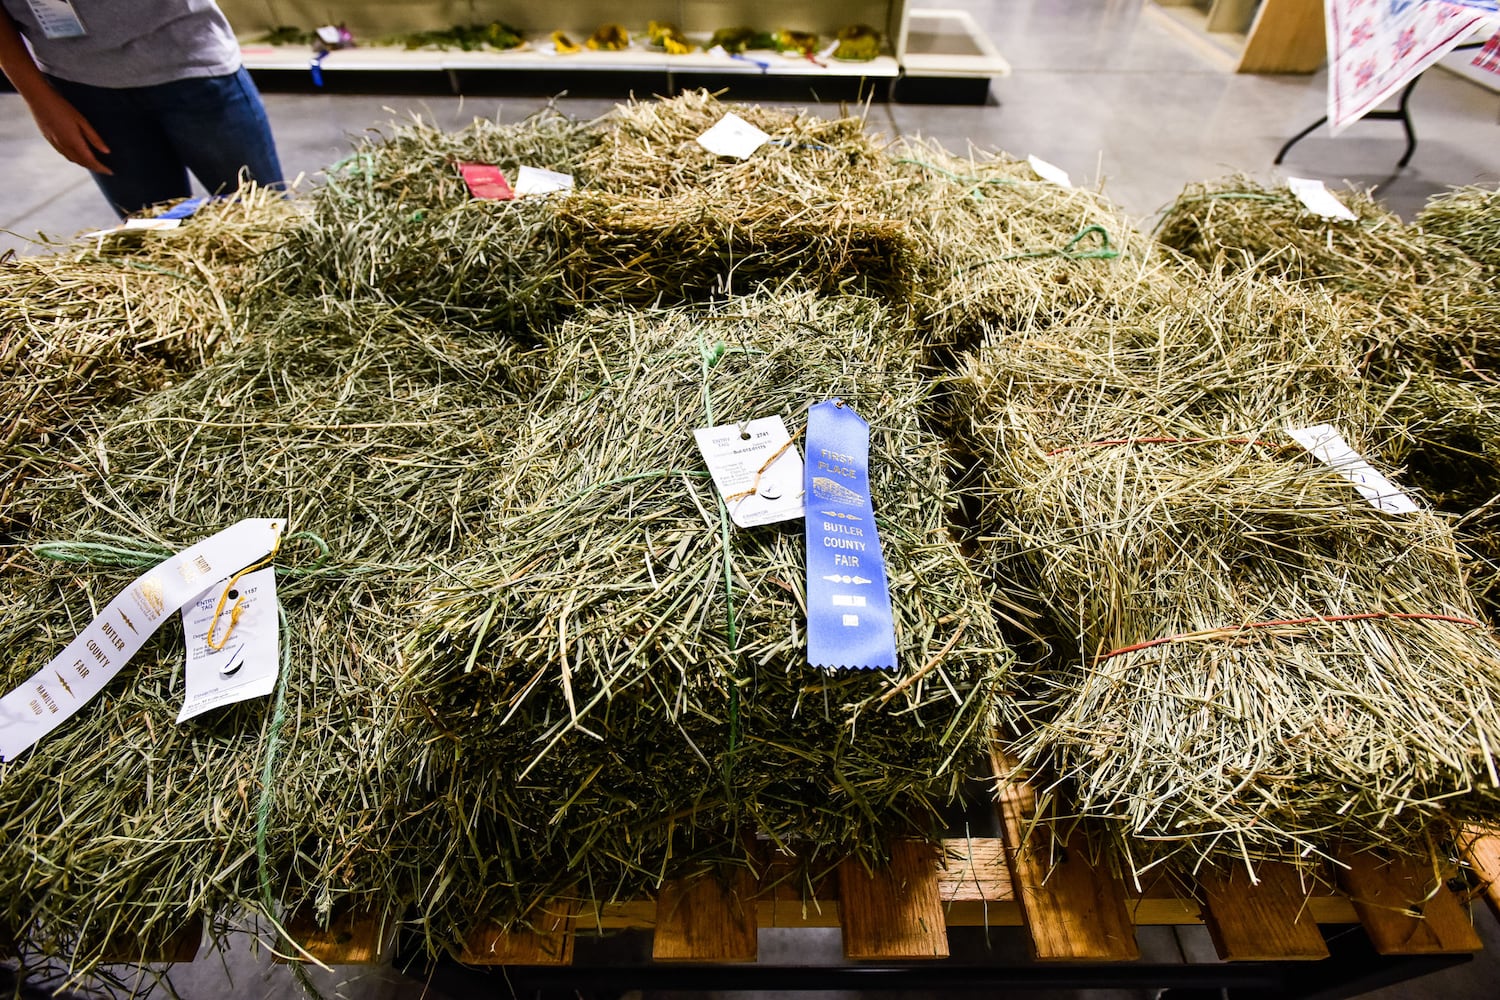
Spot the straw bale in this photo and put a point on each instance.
(1139, 479)
(357, 424)
(616, 679)
(96, 324)
(666, 221)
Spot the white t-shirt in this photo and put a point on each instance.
(133, 43)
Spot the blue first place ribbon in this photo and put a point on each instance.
(849, 620)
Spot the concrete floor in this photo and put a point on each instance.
(1113, 91)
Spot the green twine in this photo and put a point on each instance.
(101, 553)
(711, 357)
(1068, 251)
(267, 772)
(975, 183)
(130, 554)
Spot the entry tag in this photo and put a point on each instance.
(849, 619)
(1328, 446)
(57, 18)
(1317, 199)
(53, 694)
(534, 180)
(733, 136)
(486, 181)
(245, 664)
(756, 468)
(1050, 172)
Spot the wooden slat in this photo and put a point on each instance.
(707, 919)
(179, 946)
(1400, 911)
(1073, 911)
(1285, 37)
(896, 912)
(1265, 922)
(549, 942)
(1482, 848)
(354, 936)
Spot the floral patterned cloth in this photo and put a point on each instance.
(1375, 47)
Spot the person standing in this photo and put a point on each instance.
(140, 92)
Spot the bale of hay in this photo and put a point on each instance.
(98, 323)
(372, 434)
(1252, 661)
(1469, 218)
(1416, 303)
(666, 221)
(614, 684)
(1001, 249)
(394, 222)
(1418, 309)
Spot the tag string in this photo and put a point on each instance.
(1229, 631)
(742, 494)
(239, 601)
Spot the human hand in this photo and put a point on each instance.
(68, 131)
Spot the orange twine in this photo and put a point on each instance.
(1229, 630)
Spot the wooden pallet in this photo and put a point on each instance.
(1072, 909)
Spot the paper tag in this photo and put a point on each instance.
(54, 693)
(849, 618)
(1050, 172)
(1328, 446)
(733, 136)
(160, 222)
(245, 665)
(1316, 198)
(57, 18)
(757, 469)
(486, 181)
(329, 34)
(534, 180)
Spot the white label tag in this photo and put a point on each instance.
(733, 136)
(757, 469)
(51, 695)
(1316, 198)
(1329, 447)
(245, 665)
(328, 34)
(57, 18)
(534, 180)
(1050, 172)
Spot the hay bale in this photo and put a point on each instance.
(1469, 218)
(96, 325)
(1003, 250)
(1417, 309)
(666, 221)
(367, 429)
(1413, 302)
(614, 683)
(1138, 477)
(394, 222)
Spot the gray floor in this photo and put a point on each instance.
(1110, 90)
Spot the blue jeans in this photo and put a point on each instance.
(214, 126)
